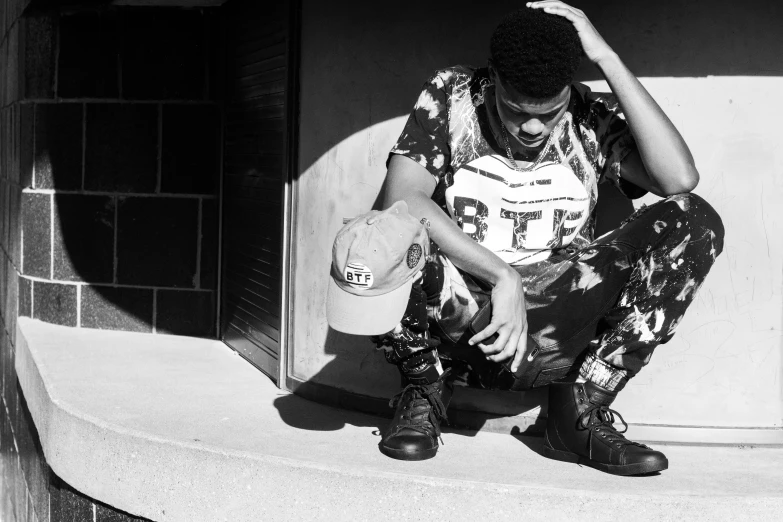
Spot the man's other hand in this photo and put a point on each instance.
(509, 321)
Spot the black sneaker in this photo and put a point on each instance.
(415, 429)
(580, 429)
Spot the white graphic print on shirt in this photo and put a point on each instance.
(521, 216)
(517, 215)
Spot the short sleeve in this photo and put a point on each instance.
(425, 138)
(614, 141)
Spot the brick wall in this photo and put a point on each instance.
(109, 163)
(120, 159)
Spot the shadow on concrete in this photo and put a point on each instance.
(533, 443)
(306, 415)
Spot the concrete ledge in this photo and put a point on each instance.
(174, 428)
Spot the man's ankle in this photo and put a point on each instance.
(602, 373)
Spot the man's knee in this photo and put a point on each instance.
(700, 212)
(702, 217)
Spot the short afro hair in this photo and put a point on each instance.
(535, 52)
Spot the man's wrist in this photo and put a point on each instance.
(503, 273)
(609, 63)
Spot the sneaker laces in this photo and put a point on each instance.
(421, 397)
(600, 419)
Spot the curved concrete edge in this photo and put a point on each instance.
(166, 481)
(173, 479)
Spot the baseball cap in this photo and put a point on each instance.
(375, 259)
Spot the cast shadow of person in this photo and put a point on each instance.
(324, 402)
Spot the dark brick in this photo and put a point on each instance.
(15, 243)
(39, 55)
(216, 77)
(10, 292)
(31, 510)
(6, 440)
(4, 216)
(5, 270)
(12, 398)
(182, 312)
(190, 149)
(33, 462)
(9, 377)
(104, 513)
(20, 492)
(58, 146)
(113, 308)
(55, 303)
(67, 504)
(84, 238)
(26, 143)
(209, 243)
(163, 54)
(15, 145)
(36, 227)
(88, 62)
(122, 147)
(4, 277)
(25, 297)
(5, 213)
(156, 241)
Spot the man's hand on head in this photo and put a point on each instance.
(595, 47)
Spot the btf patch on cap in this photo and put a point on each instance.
(358, 276)
(375, 259)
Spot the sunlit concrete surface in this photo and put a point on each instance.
(176, 428)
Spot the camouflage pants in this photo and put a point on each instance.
(600, 310)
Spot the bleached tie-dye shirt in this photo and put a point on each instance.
(521, 216)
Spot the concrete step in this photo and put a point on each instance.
(179, 429)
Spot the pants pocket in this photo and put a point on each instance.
(545, 368)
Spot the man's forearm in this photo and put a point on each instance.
(465, 253)
(663, 151)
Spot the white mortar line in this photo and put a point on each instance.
(120, 194)
(114, 285)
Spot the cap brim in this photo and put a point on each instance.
(366, 315)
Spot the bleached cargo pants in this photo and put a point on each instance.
(600, 310)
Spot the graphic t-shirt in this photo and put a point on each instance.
(521, 216)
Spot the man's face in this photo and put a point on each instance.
(528, 120)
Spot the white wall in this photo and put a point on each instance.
(362, 67)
